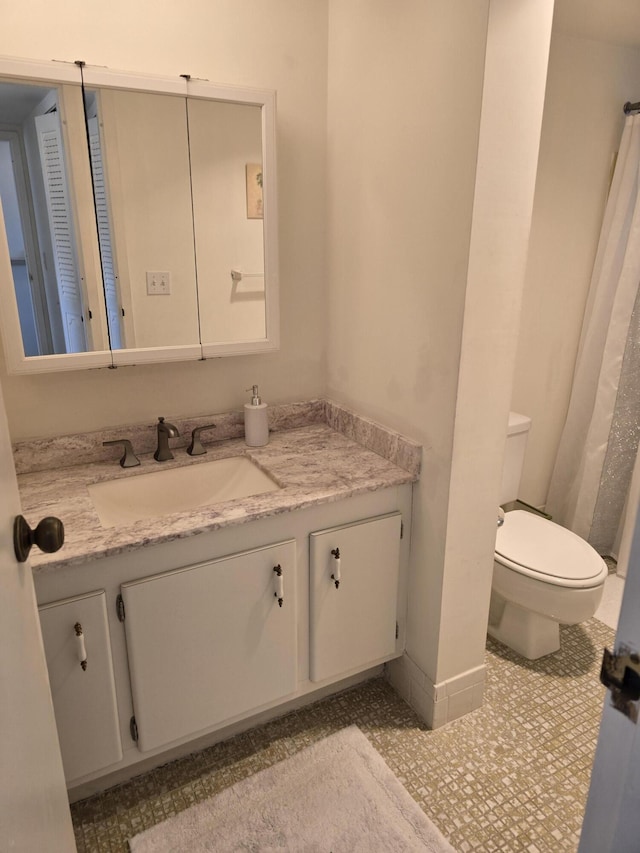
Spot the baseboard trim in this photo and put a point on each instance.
(436, 704)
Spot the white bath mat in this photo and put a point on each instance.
(335, 796)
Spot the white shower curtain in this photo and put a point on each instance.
(590, 489)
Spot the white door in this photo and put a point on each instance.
(78, 651)
(353, 614)
(62, 232)
(612, 819)
(34, 810)
(211, 642)
(107, 258)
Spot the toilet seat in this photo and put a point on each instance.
(538, 548)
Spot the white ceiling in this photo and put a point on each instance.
(616, 21)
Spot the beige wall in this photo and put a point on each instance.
(402, 171)
(513, 100)
(280, 45)
(402, 156)
(424, 299)
(588, 83)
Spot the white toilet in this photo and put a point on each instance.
(543, 574)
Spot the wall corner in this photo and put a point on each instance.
(436, 704)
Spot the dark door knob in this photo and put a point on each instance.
(48, 536)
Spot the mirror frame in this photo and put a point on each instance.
(55, 73)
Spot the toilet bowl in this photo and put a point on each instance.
(543, 575)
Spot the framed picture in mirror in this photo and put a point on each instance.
(254, 191)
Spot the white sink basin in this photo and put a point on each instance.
(160, 493)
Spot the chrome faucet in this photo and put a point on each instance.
(165, 432)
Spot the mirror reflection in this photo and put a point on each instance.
(142, 190)
(140, 220)
(226, 167)
(178, 194)
(38, 207)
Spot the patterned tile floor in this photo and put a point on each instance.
(512, 776)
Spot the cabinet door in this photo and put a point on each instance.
(84, 697)
(353, 621)
(209, 642)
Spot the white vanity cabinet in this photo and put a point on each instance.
(75, 633)
(354, 581)
(202, 647)
(212, 641)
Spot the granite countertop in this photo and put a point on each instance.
(313, 465)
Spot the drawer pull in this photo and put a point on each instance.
(336, 576)
(82, 651)
(279, 593)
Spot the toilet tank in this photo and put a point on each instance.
(517, 433)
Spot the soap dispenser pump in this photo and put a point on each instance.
(256, 424)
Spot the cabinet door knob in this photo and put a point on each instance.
(82, 649)
(336, 576)
(48, 536)
(279, 579)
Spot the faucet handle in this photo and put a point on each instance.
(196, 448)
(129, 458)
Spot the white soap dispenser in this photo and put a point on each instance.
(256, 424)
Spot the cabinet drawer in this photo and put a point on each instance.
(84, 699)
(209, 642)
(353, 624)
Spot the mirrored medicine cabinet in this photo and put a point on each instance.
(138, 218)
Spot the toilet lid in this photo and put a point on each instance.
(532, 544)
